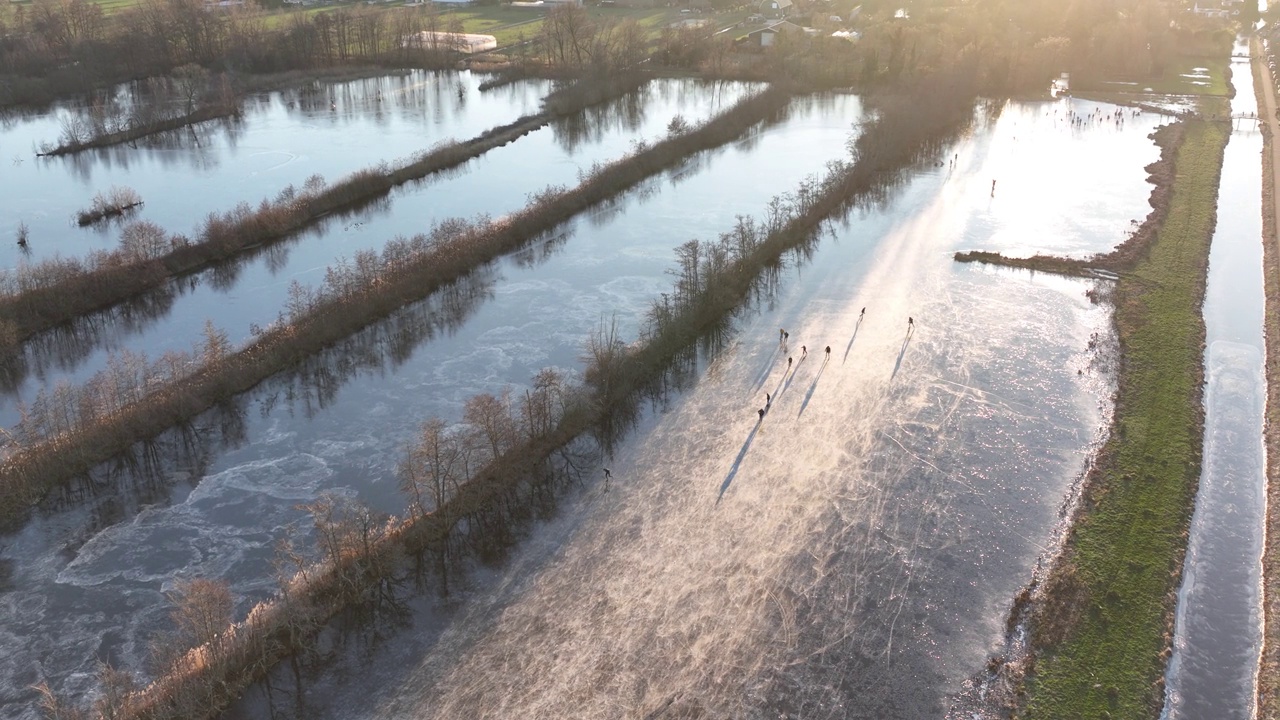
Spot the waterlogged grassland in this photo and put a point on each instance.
(1122, 562)
(1185, 75)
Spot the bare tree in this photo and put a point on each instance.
(491, 416)
(201, 610)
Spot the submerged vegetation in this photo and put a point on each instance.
(116, 202)
(192, 95)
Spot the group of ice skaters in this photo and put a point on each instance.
(784, 336)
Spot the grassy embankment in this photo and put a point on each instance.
(407, 271)
(1269, 672)
(1102, 630)
(57, 291)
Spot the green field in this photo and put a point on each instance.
(1186, 75)
(1127, 546)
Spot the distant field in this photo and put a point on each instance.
(1187, 75)
(108, 6)
(509, 25)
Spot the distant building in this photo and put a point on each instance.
(768, 35)
(1210, 11)
(775, 8)
(467, 43)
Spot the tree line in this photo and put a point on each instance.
(51, 48)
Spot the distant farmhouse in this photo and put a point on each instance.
(775, 8)
(768, 35)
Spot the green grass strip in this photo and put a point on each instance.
(1116, 582)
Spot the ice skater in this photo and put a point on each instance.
(788, 363)
(607, 475)
(768, 400)
(861, 314)
(828, 352)
(761, 411)
(993, 188)
(804, 352)
(911, 323)
(782, 334)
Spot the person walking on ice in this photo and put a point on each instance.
(804, 351)
(828, 352)
(788, 363)
(761, 411)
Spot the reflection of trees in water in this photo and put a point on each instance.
(314, 383)
(64, 348)
(149, 470)
(67, 347)
(412, 93)
(147, 473)
(590, 126)
(199, 143)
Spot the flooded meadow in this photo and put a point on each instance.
(851, 553)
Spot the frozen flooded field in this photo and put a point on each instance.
(851, 555)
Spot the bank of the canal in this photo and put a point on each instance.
(1269, 666)
(1104, 628)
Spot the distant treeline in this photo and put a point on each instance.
(1019, 45)
(469, 486)
(36, 297)
(67, 430)
(51, 48)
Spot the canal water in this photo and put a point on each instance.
(1218, 632)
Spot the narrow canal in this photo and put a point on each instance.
(1218, 632)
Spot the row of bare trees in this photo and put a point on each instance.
(355, 293)
(35, 297)
(573, 38)
(355, 560)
